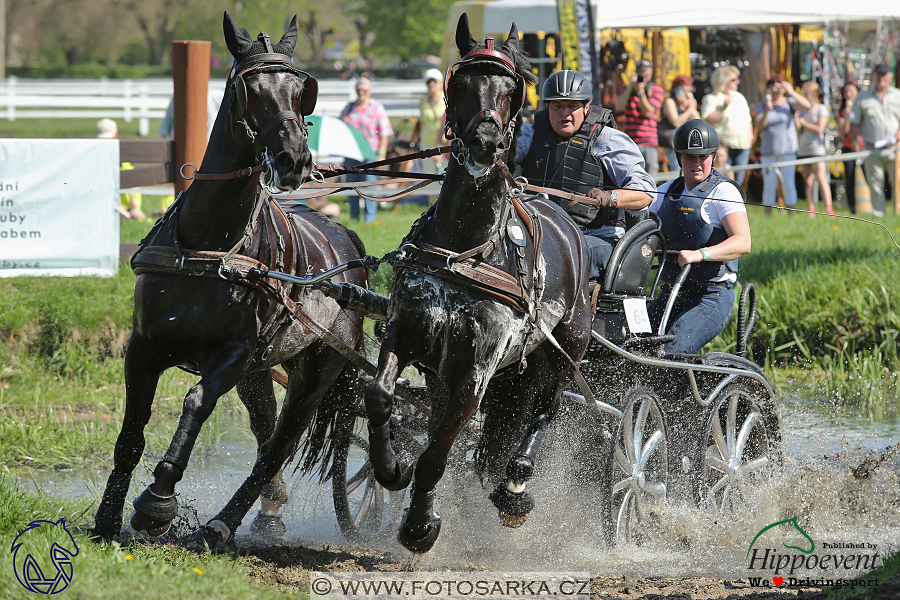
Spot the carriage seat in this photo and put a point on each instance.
(626, 276)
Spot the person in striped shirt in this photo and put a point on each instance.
(641, 103)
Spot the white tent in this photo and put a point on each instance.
(541, 15)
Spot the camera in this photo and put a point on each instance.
(640, 79)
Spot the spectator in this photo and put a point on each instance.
(876, 117)
(727, 110)
(371, 119)
(811, 125)
(129, 204)
(641, 103)
(720, 162)
(431, 121)
(679, 107)
(775, 119)
(849, 144)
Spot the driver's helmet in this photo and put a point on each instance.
(566, 85)
(696, 136)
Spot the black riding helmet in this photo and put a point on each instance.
(566, 85)
(696, 136)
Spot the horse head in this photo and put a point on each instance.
(484, 92)
(267, 99)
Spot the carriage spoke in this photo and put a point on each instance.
(656, 489)
(649, 447)
(623, 519)
(746, 429)
(731, 423)
(719, 438)
(622, 461)
(639, 423)
(628, 435)
(716, 463)
(359, 477)
(755, 465)
(624, 484)
(719, 485)
(364, 506)
(726, 496)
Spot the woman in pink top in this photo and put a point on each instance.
(371, 119)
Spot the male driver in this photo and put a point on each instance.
(576, 148)
(876, 117)
(641, 102)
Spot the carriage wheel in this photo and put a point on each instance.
(638, 463)
(365, 511)
(738, 452)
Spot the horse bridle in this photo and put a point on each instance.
(241, 132)
(480, 57)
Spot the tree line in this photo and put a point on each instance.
(53, 33)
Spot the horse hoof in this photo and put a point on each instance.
(204, 539)
(423, 542)
(149, 526)
(268, 530)
(514, 507)
(403, 473)
(158, 508)
(512, 521)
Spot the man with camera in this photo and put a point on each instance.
(576, 147)
(641, 103)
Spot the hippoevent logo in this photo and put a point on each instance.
(42, 556)
(832, 566)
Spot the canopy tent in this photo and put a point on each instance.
(541, 15)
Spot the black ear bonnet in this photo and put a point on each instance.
(261, 56)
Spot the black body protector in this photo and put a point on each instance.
(570, 165)
(685, 229)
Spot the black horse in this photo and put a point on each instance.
(454, 309)
(193, 309)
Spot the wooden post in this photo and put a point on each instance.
(659, 58)
(190, 74)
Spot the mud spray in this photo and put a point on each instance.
(845, 497)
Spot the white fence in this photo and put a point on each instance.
(147, 99)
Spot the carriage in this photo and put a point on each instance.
(495, 313)
(702, 429)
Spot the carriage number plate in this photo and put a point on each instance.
(636, 313)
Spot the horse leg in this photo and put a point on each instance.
(421, 526)
(391, 470)
(306, 387)
(511, 497)
(156, 507)
(257, 394)
(141, 378)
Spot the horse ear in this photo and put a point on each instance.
(237, 40)
(289, 39)
(465, 43)
(512, 42)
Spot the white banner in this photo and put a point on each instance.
(58, 207)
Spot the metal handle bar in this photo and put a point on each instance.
(310, 279)
(674, 294)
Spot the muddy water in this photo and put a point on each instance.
(822, 446)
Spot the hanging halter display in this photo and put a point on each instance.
(482, 57)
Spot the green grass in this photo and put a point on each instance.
(148, 571)
(70, 128)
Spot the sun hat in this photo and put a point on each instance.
(107, 129)
(433, 74)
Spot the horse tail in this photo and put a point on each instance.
(335, 414)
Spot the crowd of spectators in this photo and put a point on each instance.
(790, 125)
